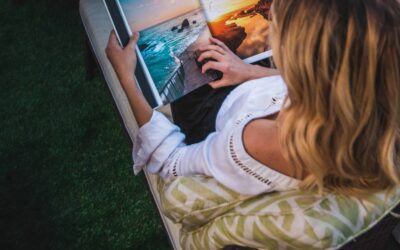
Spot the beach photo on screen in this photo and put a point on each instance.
(171, 32)
(241, 24)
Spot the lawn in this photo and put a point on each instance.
(66, 180)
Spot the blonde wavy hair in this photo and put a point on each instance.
(341, 62)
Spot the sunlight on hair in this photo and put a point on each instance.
(341, 63)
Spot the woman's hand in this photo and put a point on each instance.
(234, 70)
(123, 60)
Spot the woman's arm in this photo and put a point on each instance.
(234, 70)
(124, 62)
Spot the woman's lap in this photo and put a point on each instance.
(196, 112)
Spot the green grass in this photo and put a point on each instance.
(66, 180)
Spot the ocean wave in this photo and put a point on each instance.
(161, 45)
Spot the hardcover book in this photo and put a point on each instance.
(172, 32)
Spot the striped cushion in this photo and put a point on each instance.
(213, 216)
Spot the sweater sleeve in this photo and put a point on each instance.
(155, 142)
(159, 147)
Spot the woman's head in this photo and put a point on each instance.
(341, 62)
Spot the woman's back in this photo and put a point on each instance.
(222, 155)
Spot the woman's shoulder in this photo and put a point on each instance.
(250, 97)
(261, 142)
(270, 84)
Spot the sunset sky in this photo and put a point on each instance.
(142, 14)
(216, 8)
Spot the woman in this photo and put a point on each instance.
(329, 122)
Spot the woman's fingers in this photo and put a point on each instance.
(133, 41)
(112, 45)
(212, 65)
(213, 47)
(112, 40)
(218, 84)
(211, 54)
(219, 43)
